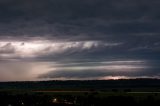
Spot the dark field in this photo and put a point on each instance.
(81, 93)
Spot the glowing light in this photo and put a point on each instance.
(54, 100)
(114, 77)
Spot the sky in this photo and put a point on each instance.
(79, 39)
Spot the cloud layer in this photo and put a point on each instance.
(36, 49)
(81, 31)
(103, 70)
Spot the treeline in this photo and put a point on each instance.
(150, 84)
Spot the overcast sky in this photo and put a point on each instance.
(79, 39)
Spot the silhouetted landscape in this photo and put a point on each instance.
(81, 93)
(79, 52)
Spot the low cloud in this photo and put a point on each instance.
(101, 70)
(7, 48)
(35, 49)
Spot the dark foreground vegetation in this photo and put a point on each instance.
(81, 93)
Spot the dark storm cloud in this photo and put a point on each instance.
(134, 23)
(82, 70)
(95, 74)
(92, 18)
(131, 27)
(129, 21)
(83, 74)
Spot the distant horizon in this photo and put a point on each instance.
(81, 80)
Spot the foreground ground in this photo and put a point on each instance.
(81, 93)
